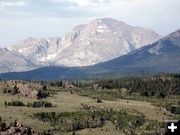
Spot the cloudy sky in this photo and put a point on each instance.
(20, 19)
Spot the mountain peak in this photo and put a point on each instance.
(109, 22)
(175, 34)
(100, 40)
(174, 38)
(108, 19)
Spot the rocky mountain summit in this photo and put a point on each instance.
(100, 40)
(160, 57)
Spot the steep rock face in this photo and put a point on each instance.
(38, 51)
(100, 40)
(10, 61)
(162, 56)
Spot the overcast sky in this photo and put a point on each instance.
(20, 19)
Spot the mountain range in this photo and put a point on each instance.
(99, 41)
(162, 56)
(10, 61)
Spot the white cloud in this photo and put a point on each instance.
(89, 3)
(79, 2)
(11, 3)
(160, 15)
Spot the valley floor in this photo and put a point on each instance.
(67, 102)
(117, 107)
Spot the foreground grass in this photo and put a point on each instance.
(72, 121)
(116, 94)
(68, 115)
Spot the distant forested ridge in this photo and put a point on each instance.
(148, 86)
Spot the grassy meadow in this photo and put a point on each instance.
(90, 107)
